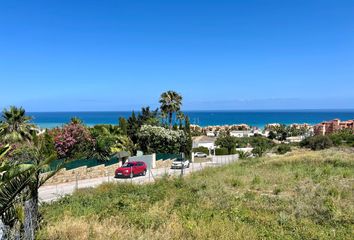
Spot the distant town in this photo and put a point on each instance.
(293, 133)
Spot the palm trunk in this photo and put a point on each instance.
(31, 218)
(180, 124)
(3, 231)
(170, 119)
(9, 232)
(31, 212)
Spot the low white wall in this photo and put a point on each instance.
(249, 149)
(224, 158)
(150, 160)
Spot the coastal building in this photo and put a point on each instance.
(240, 130)
(334, 125)
(300, 125)
(246, 132)
(310, 132)
(271, 126)
(241, 133)
(265, 133)
(211, 134)
(256, 130)
(295, 139)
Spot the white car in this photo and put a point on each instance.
(200, 155)
(179, 163)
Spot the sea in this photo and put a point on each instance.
(202, 118)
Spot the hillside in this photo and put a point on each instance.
(301, 195)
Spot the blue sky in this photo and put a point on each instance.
(120, 55)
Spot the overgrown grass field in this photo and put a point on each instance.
(301, 195)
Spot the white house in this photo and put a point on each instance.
(266, 133)
(204, 141)
(295, 139)
(210, 133)
(241, 133)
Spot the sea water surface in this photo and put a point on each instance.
(202, 118)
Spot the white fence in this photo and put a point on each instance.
(224, 159)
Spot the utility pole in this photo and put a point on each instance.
(182, 169)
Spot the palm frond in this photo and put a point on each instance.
(52, 173)
(12, 188)
(4, 150)
(18, 180)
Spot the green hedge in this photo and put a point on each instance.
(201, 149)
(223, 151)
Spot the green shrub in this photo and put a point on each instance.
(158, 139)
(226, 142)
(283, 148)
(221, 151)
(243, 155)
(259, 151)
(235, 182)
(261, 142)
(343, 137)
(276, 191)
(254, 142)
(224, 151)
(317, 142)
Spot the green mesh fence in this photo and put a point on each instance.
(94, 162)
(165, 156)
(80, 163)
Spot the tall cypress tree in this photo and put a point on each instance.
(123, 125)
(187, 130)
(133, 127)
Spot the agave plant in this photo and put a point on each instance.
(243, 155)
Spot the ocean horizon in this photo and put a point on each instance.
(256, 118)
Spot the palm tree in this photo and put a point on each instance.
(163, 117)
(13, 181)
(170, 102)
(180, 117)
(76, 120)
(20, 182)
(15, 125)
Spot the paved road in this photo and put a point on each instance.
(53, 192)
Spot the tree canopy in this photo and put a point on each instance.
(171, 103)
(15, 126)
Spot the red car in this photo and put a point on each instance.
(131, 169)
